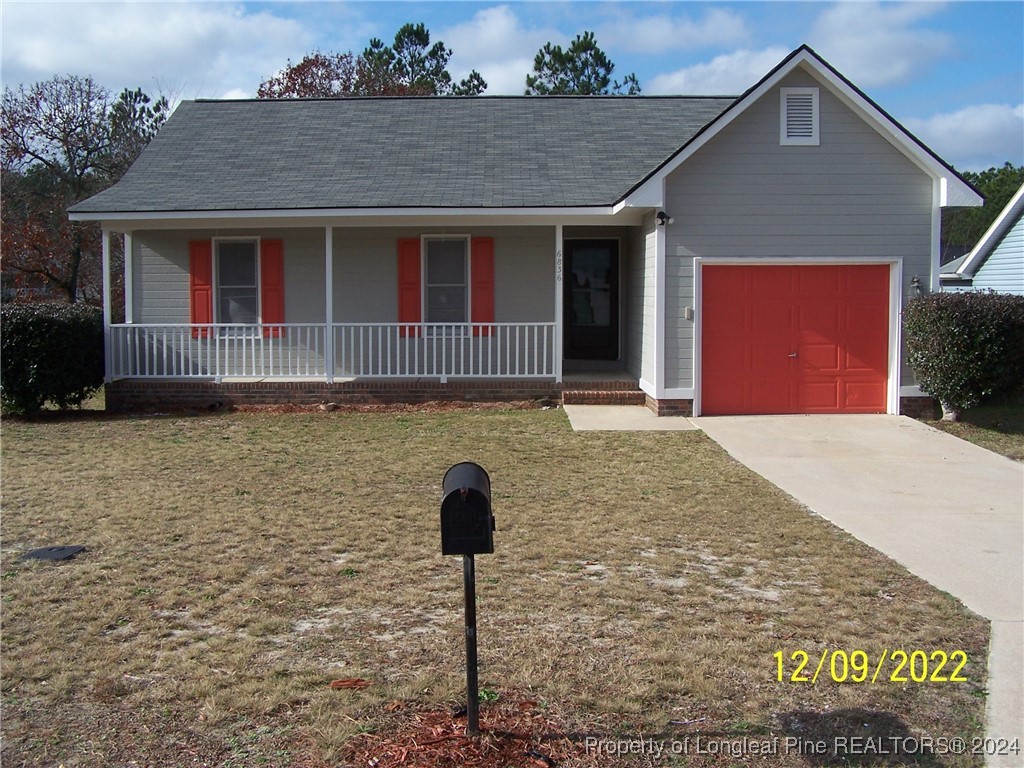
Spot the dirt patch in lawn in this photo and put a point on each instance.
(238, 563)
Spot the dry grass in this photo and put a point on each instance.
(238, 563)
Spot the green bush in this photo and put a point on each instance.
(49, 353)
(966, 348)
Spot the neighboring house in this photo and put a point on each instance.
(721, 255)
(997, 261)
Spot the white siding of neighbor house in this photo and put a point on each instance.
(745, 195)
(1003, 270)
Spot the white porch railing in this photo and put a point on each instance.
(392, 350)
(217, 351)
(359, 350)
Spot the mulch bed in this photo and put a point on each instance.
(513, 734)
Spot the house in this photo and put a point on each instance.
(707, 255)
(997, 261)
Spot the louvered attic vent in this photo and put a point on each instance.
(799, 110)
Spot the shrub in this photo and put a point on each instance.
(49, 352)
(966, 348)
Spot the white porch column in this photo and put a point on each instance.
(659, 311)
(107, 312)
(558, 303)
(329, 302)
(129, 293)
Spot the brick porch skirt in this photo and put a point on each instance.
(149, 395)
(141, 394)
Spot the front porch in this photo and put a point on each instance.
(335, 352)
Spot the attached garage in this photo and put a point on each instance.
(803, 338)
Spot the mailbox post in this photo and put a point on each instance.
(467, 529)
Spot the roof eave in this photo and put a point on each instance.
(133, 219)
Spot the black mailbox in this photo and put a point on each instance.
(467, 524)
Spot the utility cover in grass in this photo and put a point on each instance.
(53, 553)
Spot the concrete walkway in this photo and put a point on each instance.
(949, 511)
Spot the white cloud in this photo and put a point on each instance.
(879, 45)
(196, 49)
(654, 34)
(727, 75)
(976, 137)
(495, 43)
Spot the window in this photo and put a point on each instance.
(799, 117)
(447, 285)
(238, 294)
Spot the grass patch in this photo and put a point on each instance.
(239, 563)
(999, 427)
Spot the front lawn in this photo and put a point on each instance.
(999, 427)
(239, 563)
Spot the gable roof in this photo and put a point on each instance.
(283, 157)
(954, 190)
(967, 266)
(364, 153)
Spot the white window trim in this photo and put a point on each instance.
(216, 274)
(468, 240)
(785, 139)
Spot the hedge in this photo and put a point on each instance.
(966, 348)
(49, 353)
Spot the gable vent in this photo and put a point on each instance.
(799, 112)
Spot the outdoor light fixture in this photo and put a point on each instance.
(663, 218)
(916, 289)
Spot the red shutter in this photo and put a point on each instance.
(200, 284)
(272, 286)
(482, 283)
(409, 291)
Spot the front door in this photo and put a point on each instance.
(591, 300)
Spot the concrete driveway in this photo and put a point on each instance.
(949, 511)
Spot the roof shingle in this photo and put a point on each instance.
(446, 152)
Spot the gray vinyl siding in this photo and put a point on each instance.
(639, 299)
(744, 195)
(366, 273)
(160, 276)
(1003, 270)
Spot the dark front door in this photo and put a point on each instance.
(591, 300)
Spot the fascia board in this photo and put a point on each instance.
(356, 217)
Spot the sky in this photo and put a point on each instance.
(950, 72)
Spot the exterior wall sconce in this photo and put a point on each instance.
(663, 218)
(916, 289)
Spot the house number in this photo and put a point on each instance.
(558, 266)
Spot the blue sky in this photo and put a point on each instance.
(952, 72)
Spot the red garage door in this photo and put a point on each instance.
(794, 339)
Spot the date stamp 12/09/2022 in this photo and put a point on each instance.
(887, 666)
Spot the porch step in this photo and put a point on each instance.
(603, 397)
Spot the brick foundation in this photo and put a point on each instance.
(141, 395)
(670, 407)
(920, 407)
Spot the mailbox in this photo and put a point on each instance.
(467, 524)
